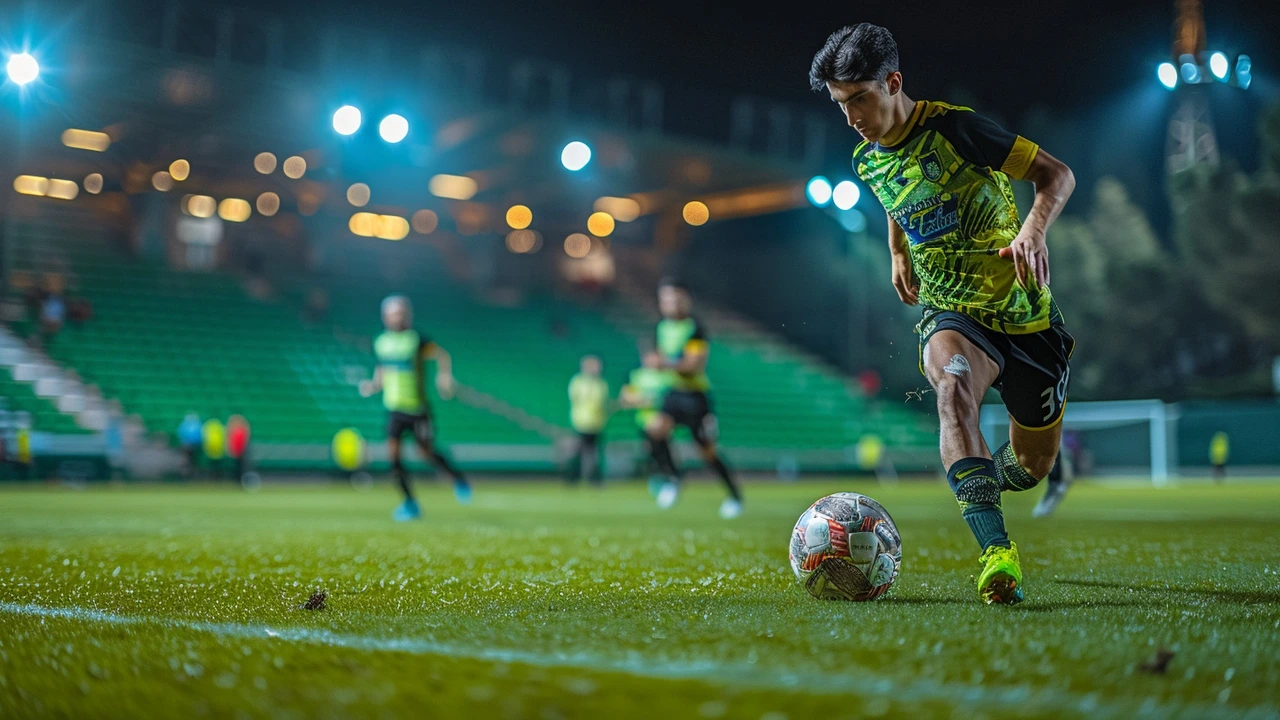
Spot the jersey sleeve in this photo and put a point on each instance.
(981, 141)
(697, 342)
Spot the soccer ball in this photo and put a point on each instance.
(846, 547)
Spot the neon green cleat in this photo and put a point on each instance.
(1001, 577)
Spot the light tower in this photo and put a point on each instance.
(1191, 138)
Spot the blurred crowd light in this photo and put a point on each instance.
(622, 209)
(346, 121)
(425, 222)
(358, 194)
(577, 245)
(696, 213)
(268, 204)
(453, 187)
(93, 183)
(600, 224)
(234, 210)
(295, 167)
(575, 155)
(179, 170)
(519, 217)
(265, 163)
(86, 140)
(393, 128)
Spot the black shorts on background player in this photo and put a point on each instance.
(693, 410)
(420, 425)
(1034, 367)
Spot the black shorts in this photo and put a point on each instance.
(1035, 368)
(694, 411)
(589, 441)
(423, 429)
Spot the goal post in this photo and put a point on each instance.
(1117, 436)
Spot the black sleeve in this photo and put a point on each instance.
(699, 331)
(981, 141)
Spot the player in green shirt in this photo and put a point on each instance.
(682, 342)
(588, 413)
(644, 391)
(960, 250)
(401, 376)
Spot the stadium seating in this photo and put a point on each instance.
(164, 342)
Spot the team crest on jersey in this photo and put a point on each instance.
(930, 166)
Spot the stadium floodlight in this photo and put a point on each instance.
(819, 191)
(22, 68)
(393, 128)
(845, 194)
(1190, 73)
(1168, 75)
(346, 121)
(1218, 65)
(575, 156)
(1244, 72)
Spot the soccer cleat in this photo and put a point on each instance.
(408, 510)
(1053, 496)
(668, 495)
(1001, 577)
(730, 509)
(462, 491)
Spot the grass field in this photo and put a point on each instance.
(542, 602)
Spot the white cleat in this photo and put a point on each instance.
(730, 509)
(668, 495)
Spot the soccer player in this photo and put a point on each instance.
(588, 413)
(1056, 486)
(401, 376)
(682, 342)
(644, 391)
(980, 274)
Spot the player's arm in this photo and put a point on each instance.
(694, 358)
(904, 281)
(368, 388)
(444, 368)
(1054, 182)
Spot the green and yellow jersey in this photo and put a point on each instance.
(675, 339)
(944, 179)
(401, 357)
(649, 384)
(588, 403)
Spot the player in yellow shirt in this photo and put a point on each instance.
(980, 273)
(588, 413)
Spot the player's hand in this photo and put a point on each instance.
(445, 385)
(1030, 258)
(367, 388)
(904, 281)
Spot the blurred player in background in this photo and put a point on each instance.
(682, 343)
(644, 391)
(981, 274)
(588, 413)
(1056, 486)
(401, 376)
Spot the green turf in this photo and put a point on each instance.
(542, 602)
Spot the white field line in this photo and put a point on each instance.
(856, 682)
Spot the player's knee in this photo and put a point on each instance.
(708, 452)
(956, 398)
(1037, 465)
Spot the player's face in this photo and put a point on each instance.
(652, 360)
(591, 366)
(673, 302)
(396, 317)
(868, 106)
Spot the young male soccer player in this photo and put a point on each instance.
(402, 354)
(682, 342)
(588, 413)
(959, 250)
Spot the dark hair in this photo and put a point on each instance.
(854, 53)
(672, 282)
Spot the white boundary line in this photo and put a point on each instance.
(857, 682)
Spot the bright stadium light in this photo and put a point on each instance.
(1244, 72)
(1190, 73)
(346, 121)
(1218, 65)
(845, 194)
(22, 68)
(819, 191)
(575, 156)
(1168, 75)
(393, 128)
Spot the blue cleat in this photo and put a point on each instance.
(408, 510)
(462, 491)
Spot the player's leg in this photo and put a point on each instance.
(1034, 389)
(659, 430)
(408, 508)
(424, 435)
(590, 453)
(706, 433)
(960, 372)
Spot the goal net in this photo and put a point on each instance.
(1110, 438)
